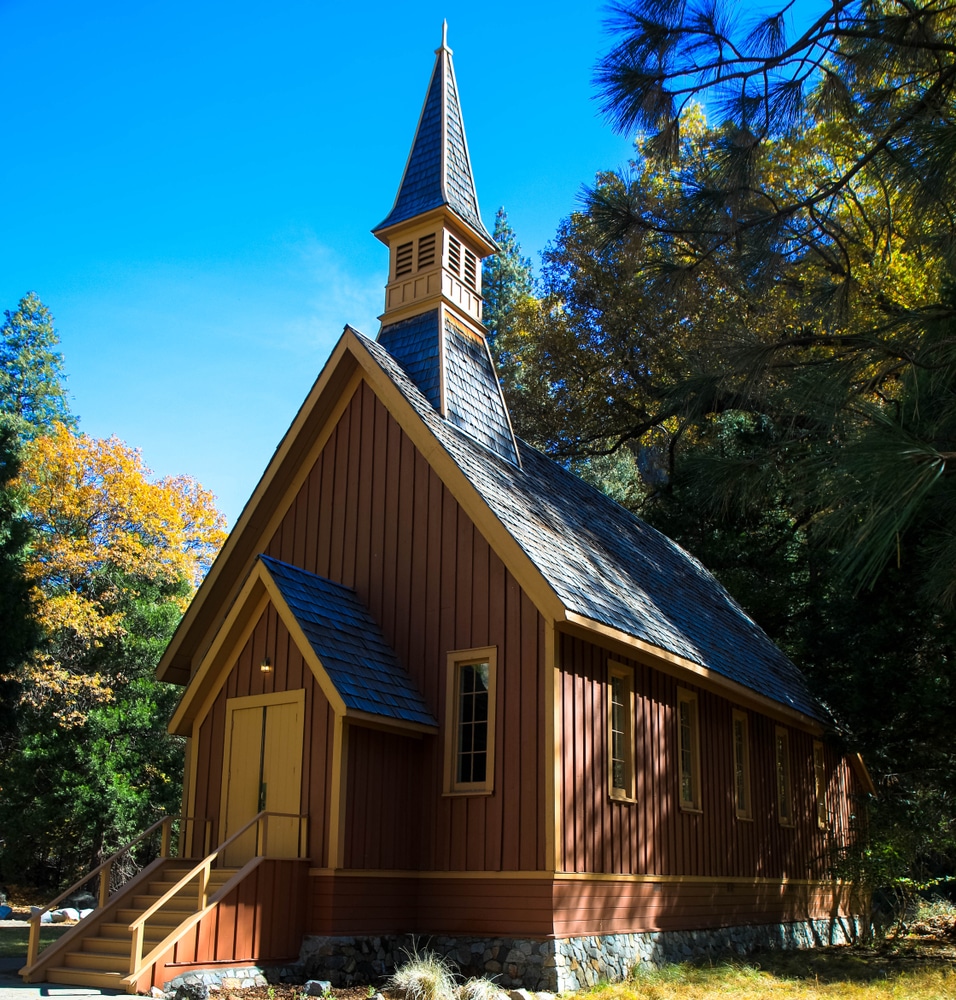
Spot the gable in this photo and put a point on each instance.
(334, 634)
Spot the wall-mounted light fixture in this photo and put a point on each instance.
(266, 666)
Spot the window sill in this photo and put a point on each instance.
(458, 793)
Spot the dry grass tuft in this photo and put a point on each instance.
(425, 976)
(480, 989)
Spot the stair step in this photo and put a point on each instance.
(101, 945)
(154, 932)
(96, 963)
(85, 977)
(167, 916)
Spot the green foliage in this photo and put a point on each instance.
(19, 634)
(506, 279)
(72, 794)
(32, 389)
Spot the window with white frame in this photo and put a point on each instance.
(470, 721)
(688, 746)
(620, 726)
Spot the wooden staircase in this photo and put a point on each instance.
(100, 957)
(157, 919)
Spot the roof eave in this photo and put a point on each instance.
(683, 668)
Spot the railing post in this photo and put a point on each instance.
(204, 885)
(264, 842)
(105, 884)
(33, 945)
(166, 838)
(136, 948)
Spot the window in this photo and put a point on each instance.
(820, 784)
(470, 721)
(688, 745)
(741, 731)
(782, 762)
(620, 725)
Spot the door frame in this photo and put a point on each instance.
(256, 701)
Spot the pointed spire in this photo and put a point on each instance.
(438, 171)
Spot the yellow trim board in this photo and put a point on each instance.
(557, 876)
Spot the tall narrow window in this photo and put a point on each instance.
(470, 721)
(688, 745)
(741, 730)
(620, 750)
(820, 784)
(782, 762)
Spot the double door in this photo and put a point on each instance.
(263, 772)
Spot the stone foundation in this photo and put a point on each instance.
(557, 965)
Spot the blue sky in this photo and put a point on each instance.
(190, 187)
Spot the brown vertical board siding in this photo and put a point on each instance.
(656, 836)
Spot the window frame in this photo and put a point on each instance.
(690, 754)
(627, 791)
(783, 776)
(741, 763)
(820, 785)
(455, 661)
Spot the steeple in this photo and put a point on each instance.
(436, 239)
(438, 170)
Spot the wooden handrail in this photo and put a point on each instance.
(104, 871)
(203, 870)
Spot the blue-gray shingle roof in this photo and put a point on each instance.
(473, 400)
(438, 171)
(414, 344)
(350, 645)
(608, 565)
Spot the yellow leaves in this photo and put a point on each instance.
(67, 695)
(93, 505)
(101, 524)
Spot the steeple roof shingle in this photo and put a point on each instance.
(438, 171)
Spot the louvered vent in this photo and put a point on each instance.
(403, 260)
(454, 255)
(471, 269)
(426, 251)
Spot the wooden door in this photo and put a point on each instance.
(263, 771)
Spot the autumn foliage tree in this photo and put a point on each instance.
(111, 556)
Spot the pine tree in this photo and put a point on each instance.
(506, 279)
(32, 390)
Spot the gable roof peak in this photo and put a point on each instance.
(438, 170)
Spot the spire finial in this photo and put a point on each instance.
(444, 37)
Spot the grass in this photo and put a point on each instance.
(13, 940)
(424, 976)
(827, 974)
